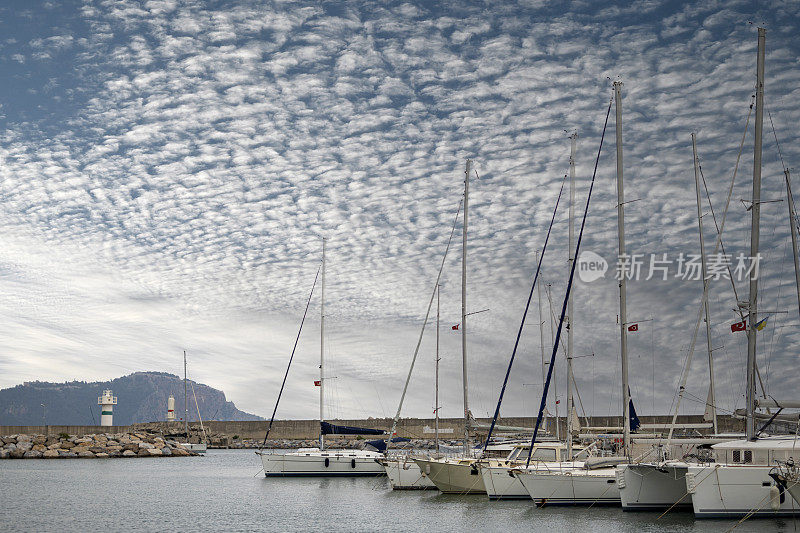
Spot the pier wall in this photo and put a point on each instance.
(415, 428)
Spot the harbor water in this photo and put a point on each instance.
(226, 491)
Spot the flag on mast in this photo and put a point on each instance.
(739, 326)
(456, 327)
(633, 327)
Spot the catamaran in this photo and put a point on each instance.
(320, 461)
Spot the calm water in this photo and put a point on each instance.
(222, 492)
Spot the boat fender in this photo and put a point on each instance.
(327, 462)
(352, 463)
(428, 469)
(774, 498)
(780, 487)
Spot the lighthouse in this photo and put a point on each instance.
(107, 402)
(171, 409)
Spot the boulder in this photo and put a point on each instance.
(16, 453)
(67, 453)
(86, 454)
(154, 451)
(179, 452)
(39, 447)
(4, 454)
(32, 454)
(24, 445)
(54, 446)
(114, 449)
(23, 437)
(128, 453)
(112, 442)
(11, 447)
(115, 453)
(67, 444)
(98, 449)
(101, 455)
(143, 452)
(165, 451)
(146, 445)
(40, 439)
(132, 447)
(50, 454)
(9, 440)
(81, 449)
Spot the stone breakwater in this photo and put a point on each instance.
(89, 446)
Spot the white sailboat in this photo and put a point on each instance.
(740, 481)
(197, 447)
(592, 482)
(319, 461)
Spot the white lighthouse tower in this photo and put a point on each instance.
(107, 402)
(171, 409)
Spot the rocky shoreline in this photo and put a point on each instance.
(105, 445)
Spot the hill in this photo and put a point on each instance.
(141, 397)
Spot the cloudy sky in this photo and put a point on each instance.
(168, 169)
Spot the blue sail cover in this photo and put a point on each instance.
(330, 429)
(380, 444)
(632, 415)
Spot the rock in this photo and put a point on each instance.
(143, 453)
(4, 454)
(154, 451)
(26, 438)
(67, 444)
(115, 453)
(9, 440)
(54, 446)
(16, 453)
(114, 449)
(49, 454)
(39, 447)
(179, 452)
(86, 454)
(32, 454)
(39, 439)
(98, 449)
(67, 453)
(80, 449)
(128, 453)
(165, 451)
(132, 447)
(112, 442)
(146, 445)
(11, 447)
(24, 445)
(101, 455)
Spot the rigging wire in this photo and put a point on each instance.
(524, 315)
(569, 288)
(286, 374)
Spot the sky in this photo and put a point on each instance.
(169, 168)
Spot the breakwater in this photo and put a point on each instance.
(225, 433)
(103, 445)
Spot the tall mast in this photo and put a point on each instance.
(464, 308)
(541, 326)
(185, 400)
(322, 353)
(623, 323)
(555, 381)
(754, 230)
(711, 392)
(793, 225)
(573, 138)
(436, 387)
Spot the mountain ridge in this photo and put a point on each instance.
(141, 397)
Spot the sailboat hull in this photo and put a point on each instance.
(500, 484)
(650, 487)
(720, 490)
(404, 474)
(344, 463)
(571, 487)
(453, 476)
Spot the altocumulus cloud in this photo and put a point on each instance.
(168, 169)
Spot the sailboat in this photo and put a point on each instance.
(593, 481)
(740, 482)
(197, 447)
(320, 461)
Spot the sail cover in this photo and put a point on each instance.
(380, 444)
(330, 429)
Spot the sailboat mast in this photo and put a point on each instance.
(570, 406)
(185, 400)
(464, 309)
(436, 373)
(322, 353)
(623, 323)
(541, 326)
(754, 234)
(552, 345)
(793, 225)
(711, 392)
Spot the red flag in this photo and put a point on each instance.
(633, 327)
(456, 326)
(739, 326)
(317, 383)
(558, 402)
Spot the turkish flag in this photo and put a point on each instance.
(456, 326)
(739, 326)
(317, 383)
(634, 327)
